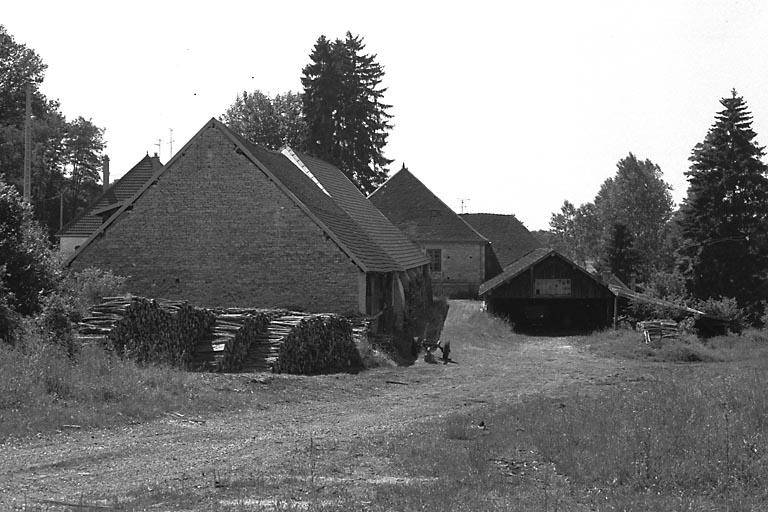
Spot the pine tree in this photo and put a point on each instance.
(621, 257)
(723, 218)
(347, 122)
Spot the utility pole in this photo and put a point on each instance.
(61, 211)
(28, 147)
(170, 142)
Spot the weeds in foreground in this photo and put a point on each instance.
(628, 344)
(42, 388)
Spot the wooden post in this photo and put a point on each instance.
(61, 211)
(615, 311)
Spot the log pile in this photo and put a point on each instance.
(161, 331)
(314, 344)
(658, 329)
(234, 339)
(233, 345)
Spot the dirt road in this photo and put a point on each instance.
(283, 415)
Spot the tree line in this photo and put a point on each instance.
(66, 154)
(340, 115)
(714, 246)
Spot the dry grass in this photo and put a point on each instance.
(43, 390)
(628, 344)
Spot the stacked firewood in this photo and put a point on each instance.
(658, 329)
(233, 345)
(101, 319)
(315, 344)
(161, 331)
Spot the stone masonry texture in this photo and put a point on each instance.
(216, 231)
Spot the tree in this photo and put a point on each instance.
(638, 198)
(27, 271)
(723, 218)
(63, 153)
(347, 122)
(620, 254)
(576, 232)
(272, 122)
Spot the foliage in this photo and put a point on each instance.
(723, 219)
(88, 286)
(272, 122)
(726, 309)
(29, 267)
(347, 123)
(620, 255)
(65, 154)
(575, 232)
(641, 200)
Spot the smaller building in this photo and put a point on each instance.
(459, 257)
(79, 229)
(546, 289)
(509, 238)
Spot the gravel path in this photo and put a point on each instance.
(280, 415)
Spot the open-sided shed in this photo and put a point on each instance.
(546, 289)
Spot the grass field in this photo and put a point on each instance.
(600, 422)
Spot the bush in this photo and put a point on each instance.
(725, 309)
(30, 269)
(90, 285)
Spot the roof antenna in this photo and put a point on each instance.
(464, 203)
(158, 144)
(170, 142)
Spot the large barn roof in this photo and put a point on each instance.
(370, 249)
(121, 190)
(510, 240)
(411, 206)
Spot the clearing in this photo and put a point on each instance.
(296, 439)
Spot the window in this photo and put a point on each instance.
(435, 260)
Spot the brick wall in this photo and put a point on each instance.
(217, 232)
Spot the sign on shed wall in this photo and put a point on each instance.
(552, 287)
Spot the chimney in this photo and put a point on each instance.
(105, 170)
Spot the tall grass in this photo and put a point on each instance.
(42, 388)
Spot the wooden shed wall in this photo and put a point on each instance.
(553, 267)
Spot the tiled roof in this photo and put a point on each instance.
(355, 239)
(370, 250)
(509, 239)
(372, 221)
(121, 190)
(524, 263)
(412, 207)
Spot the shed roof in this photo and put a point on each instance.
(510, 240)
(411, 206)
(121, 190)
(527, 261)
(371, 251)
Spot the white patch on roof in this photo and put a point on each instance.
(288, 153)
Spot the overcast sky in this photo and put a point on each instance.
(513, 107)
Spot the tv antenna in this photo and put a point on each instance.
(170, 143)
(464, 202)
(159, 143)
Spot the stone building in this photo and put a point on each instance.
(228, 223)
(460, 258)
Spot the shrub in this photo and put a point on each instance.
(90, 285)
(30, 269)
(725, 309)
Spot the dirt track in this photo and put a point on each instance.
(281, 414)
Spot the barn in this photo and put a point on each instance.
(460, 258)
(228, 223)
(546, 289)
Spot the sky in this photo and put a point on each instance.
(504, 107)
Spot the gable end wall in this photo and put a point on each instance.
(217, 232)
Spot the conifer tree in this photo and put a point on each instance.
(621, 257)
(347, 122)
(723, 218)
